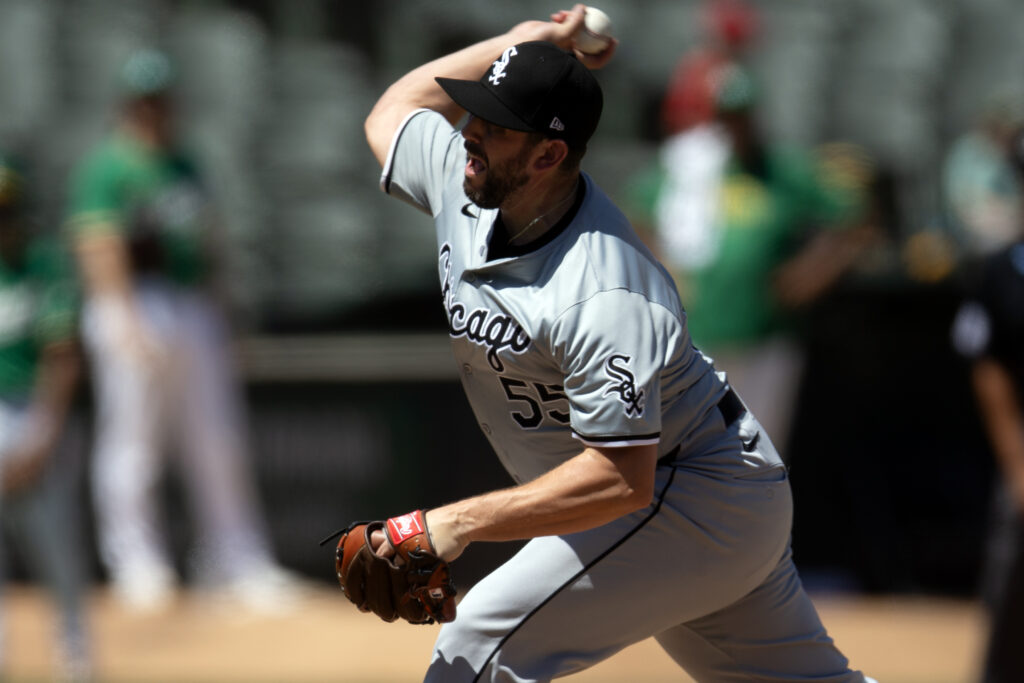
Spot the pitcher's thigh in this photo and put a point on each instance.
(560, 606)
(772, 634)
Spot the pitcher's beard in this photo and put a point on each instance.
(497, 187)
(500, 180)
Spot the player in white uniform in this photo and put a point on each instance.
(139, 221)
(655, 504)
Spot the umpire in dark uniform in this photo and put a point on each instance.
(989, 332)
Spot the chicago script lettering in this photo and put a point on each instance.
(493, 331)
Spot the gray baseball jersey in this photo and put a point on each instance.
(582, 340)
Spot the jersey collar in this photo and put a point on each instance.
(498, 246)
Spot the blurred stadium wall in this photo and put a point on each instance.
(355, 404)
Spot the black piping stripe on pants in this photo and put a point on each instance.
(577, 575)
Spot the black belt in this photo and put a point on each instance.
(731, 408)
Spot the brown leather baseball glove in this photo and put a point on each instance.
(414, 584)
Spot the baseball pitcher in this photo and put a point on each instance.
(656, 505)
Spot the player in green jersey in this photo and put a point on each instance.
(39, 369)
(142, 231)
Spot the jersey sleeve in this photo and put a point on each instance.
(612, 349)
(95, 199)
(972, 330)
(984, 324)
(425, 152)
(834, 196)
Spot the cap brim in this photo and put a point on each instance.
(478, 100)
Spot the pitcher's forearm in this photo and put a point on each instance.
(591, 489)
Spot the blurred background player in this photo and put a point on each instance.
(141, 225)
(730, 27)
(746, 228)
(989, 331)
(683, 190)
(39, 370)
(980, 186)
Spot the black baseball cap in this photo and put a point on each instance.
(536, 87)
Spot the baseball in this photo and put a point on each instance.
(595, 34)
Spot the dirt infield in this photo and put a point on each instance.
(896, 640)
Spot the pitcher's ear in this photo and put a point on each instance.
(554, 152)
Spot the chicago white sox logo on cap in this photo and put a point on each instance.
(498, 72)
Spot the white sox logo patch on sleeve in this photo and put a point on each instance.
(498, 72)
(624, 384)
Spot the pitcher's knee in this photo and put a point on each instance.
(467, 652)
(461, 651)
